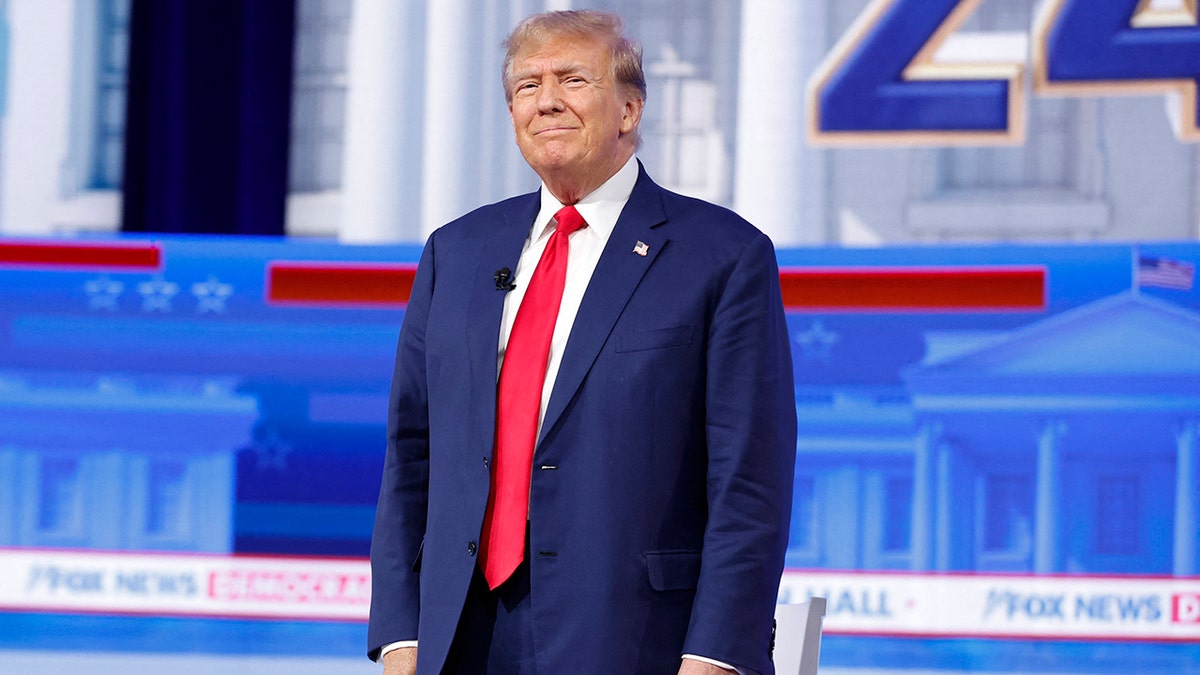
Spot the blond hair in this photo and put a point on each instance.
(626, 56)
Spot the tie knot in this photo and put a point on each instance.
(569, 220)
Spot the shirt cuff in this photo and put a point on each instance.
(393, 646)
(719, 664)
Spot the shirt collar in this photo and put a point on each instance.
(600, 208)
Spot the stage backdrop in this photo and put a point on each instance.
(996, 459)
(997, 449)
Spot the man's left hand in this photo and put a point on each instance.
(694, 667)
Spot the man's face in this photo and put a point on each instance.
(570, 117)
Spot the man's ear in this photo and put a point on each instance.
(632, 116)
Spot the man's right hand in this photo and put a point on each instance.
(401, 661)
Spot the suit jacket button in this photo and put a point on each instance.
(485, 462)
(472, 548)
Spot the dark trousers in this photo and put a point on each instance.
(495, 632)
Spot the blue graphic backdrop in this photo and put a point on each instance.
(177, 408)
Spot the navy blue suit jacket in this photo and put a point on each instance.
(661, 487)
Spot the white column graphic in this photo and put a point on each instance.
(943, 536)
(37, 123)
(1048, 501)
(381, 170)
(452, 89)
(923, 496)
(382, 162)
(778, 180)
(1185, 501)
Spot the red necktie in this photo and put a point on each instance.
(518, 402)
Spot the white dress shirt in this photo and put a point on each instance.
(600, 210)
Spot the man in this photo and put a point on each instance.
(589, 461)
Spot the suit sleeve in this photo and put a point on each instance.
(401, 512)
(751, 440)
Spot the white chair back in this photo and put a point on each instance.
(798, 637)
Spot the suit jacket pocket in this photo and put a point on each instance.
(657, 338)
(673, 570)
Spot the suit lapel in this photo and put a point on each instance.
(500, 248)
(617, 275)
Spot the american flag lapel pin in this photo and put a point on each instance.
(641, 248)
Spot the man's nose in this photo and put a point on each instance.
(549, 97)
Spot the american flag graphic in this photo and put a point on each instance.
(1165, 273)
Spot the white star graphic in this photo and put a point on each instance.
(103, 292)
(211, 295)
(817, 342)
(157, 293)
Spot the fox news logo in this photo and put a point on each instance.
(1185, 608)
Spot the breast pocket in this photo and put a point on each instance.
(656, 338)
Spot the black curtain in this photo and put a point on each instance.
(208, 116)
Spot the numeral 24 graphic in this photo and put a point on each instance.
(885, 83)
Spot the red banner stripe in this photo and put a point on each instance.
(134, 256)
(807, 289)
(914, 289)
(339, 284)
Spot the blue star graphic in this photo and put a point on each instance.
(271, 451)
(817, 342)
(103, 292)
(157, 294)
(211, 295)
